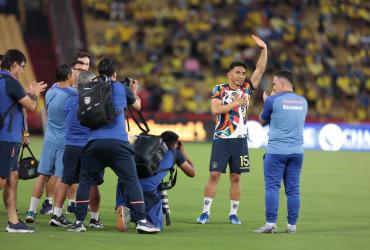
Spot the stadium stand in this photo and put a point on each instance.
(180, 49)
(14, 39)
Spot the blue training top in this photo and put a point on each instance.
(117, 128)
(171, 157)
(11, 91)
(56, 123)
(286, 114)
(76, 134)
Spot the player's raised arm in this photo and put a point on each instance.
(261, 63)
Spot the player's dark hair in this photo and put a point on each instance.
(170, 138)
(12, 56)
(62, 72)
(285, 74)
(83, 54)
(237, 64)
(107, 66)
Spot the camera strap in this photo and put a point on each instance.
(146, 130)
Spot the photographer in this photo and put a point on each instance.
(108, 146)
(152, 185)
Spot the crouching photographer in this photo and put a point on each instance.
(153, 185)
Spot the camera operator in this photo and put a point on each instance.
(152, 185)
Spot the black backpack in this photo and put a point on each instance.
(10, 111)
(95, 103)
(149, 150)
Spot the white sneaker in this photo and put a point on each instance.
(267, 228)
(146, 228)
(291, 229)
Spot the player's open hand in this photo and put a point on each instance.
(240, 101)
(259, 42)
(265, 95)
(36, 88)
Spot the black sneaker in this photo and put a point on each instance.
(146, 228)
(47, 207)
(77, 227)
(19, 227)
(59, 221)
(96, 224)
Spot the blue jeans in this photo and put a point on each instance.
(278, 167)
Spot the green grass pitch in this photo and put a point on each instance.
(335, 210)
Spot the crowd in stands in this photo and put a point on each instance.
(180, 49)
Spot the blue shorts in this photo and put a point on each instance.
(233, 151)
(51, 162)
(72, 165)
(9, 152)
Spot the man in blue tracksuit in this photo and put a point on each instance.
(152, 185)
(285, 112)
(108, 146)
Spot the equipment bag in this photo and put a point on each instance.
(95, 103)
(149, 150)
(27, 165)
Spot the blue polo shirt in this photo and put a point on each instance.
(76, 134)
(117, 128)
(286, 113)
(11, 91)
(56, 123)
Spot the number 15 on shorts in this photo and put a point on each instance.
(244, 161)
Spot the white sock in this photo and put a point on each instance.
(291, 226)
(94, 215)
(33, 205)
(50, 199)
(234, 207)
(143, 221)
(207, 202)
(271, 224)
(58, 211)
(70, 202)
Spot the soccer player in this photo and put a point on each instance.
(12, 99)
(51, 161)
(152, 185)
(108, 146)
(230, 103)
(285, 112)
